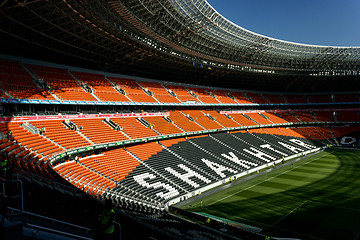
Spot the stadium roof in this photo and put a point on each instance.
(176, 40)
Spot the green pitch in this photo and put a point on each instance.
(315, 198)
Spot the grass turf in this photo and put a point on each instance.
(316, 198)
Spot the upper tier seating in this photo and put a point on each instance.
(347, 98)
(256, 98)
(181, 93)
(324, 116)
(63, 85)
(292, 98)
(18, 83)
(101, 87)
(203, 95)
(159, 92)
(240, 98)
(348, 116)
(2, 93)
(133, 89)
(274, 98)
(222, 97)
(320, 98)
(21, 82)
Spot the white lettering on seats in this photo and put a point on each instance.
(140, 179)
(268, 146)
(218, 168)
(259, 154)
(291, 148)
(186, 176)
(238, 161)
(302, 144)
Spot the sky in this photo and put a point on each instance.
(317, 22)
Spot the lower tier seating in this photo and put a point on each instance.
(84, 178)
(154, 172)
(164, 170)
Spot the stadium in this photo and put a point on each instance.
(191, 126)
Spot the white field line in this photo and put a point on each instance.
(289, 213)
(265, 180)
(267, 225)
(237, 217)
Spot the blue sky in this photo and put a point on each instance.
(318, 22)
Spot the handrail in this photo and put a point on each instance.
(47, 181)
(119, 227)
(55, 221)
(52, 220)
(4, 182)
(49, 230)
